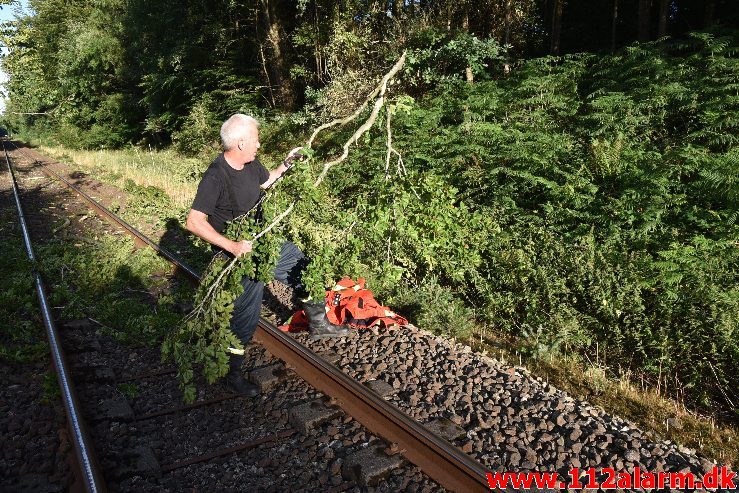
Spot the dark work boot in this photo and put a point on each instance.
(235, 381)
(318, 324)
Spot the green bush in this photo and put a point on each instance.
(580, 202)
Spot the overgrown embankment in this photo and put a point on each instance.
(584, 204)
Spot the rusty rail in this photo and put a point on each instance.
(139, 238)
(439, 459)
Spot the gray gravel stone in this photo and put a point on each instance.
(445, 429)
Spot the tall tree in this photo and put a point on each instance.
(614, 24)
(507, 34)
(710, 13)
(557, 9)
(273, 36)
(397, 8)
(645, 11)
(664, 6)
(466, 28)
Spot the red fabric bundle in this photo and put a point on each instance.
(349, 303)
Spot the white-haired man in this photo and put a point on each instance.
(229, 188)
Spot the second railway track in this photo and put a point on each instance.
(498, 416)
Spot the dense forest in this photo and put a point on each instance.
(107, 72)
(562, 171)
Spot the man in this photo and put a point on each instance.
(229, 188)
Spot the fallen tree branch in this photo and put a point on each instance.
(27, 113)
(379, 103)
(390, 149)
(206, 321)
(342, 121)
(279, 218)
(232, 263)
(378, 92)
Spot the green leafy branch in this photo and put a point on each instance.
(204, 338)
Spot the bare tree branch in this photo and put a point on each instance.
(379, 103)
(390, 149)
(342, 121)
(274, 223)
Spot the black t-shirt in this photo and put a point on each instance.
(213, 195)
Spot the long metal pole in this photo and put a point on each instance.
(93, 481)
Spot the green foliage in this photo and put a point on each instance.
(149, 202)
(438, 57)
(122, 293)
(130, 390)
(204, 338)
(52, 393)
(119, 293)
(21, 331)
(580, 202)
(199, 130)
(576, 201)
(563, 204)
(436, 308)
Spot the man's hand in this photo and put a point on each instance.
(197, 223)
(292, 156)
(275, 174)
(239, 248)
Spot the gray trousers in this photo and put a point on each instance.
(246, 310)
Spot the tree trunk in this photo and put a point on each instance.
(664, 6)
(614, 25)
(317, 50)
(645, 7)
(507, 33)
(397, 9)
(466, 28)
(710, 13)
(275, 64)
(556, 26)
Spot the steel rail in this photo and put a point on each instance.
(139, 237)
(92, 477)
(440, 460)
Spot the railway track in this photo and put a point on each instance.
(492, 416)
(441, 461)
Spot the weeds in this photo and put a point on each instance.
(51, 392)
(130, 390)
(123, 292)
(22, 338)
(175, 175)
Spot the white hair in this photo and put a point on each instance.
(232, 129)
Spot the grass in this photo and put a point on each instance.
(130, 390)
(128, 293)
(175, 175)
(22, 337)
(160, 186)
